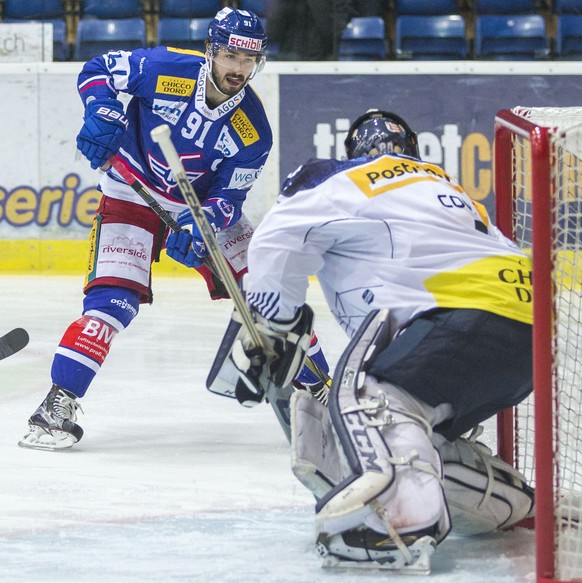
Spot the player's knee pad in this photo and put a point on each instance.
(483, 492)
(117, 306)
(394, 482)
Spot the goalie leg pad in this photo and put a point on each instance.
(394, 482)
(316, 460)
(484, 493)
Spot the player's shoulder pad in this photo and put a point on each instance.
(180, 55)
(314, 172)
(167, 60)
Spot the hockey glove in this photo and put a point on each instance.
(101, 134)
(186, 246)
(280, 358)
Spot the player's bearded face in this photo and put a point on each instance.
(231, 69)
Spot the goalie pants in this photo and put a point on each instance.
(477, 361)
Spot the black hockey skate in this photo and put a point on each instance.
(363, 548)
(53, 425)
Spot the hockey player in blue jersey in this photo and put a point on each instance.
(222, 135)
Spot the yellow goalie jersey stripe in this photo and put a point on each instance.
(499, 284)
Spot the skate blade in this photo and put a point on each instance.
(55, 440)
(394, 562)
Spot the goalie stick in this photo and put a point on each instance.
(12, 342)
(162, 136)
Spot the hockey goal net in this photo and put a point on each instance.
(538, 190)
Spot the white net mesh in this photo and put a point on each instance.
(566, 194)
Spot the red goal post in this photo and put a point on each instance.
(538, 197)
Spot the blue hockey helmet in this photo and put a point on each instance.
(239, 30)
(380, 132)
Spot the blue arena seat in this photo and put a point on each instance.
(183, 33)
(422, 7)
(569, 37)
(60, 45)
(504, 7)
(96, 37)
(189, 8)
(33, 9)
(440, 37)
(568, 6)
(363, 39)
(107, 9)
(511, 37)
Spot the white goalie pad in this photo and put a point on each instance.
(483, 492)
(316, 460)
(391, 486)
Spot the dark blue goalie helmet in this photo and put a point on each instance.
(238, 30)
(380, 132)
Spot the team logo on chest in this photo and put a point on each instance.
(166, 176)
(226, 144)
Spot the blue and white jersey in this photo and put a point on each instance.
(388, 232)
(223, 150)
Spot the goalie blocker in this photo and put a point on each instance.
(249, 372)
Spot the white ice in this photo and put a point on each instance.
(171, 483)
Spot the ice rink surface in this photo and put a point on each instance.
(171, 483)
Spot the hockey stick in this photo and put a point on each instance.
(162, 136)
(12, 342)
(138, 187)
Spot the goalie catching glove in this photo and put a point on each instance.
(278, 361)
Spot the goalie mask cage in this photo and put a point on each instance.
(538, 192)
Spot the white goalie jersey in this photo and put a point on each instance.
(395, 232)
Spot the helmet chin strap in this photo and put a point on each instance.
(209, 64)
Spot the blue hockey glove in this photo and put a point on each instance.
(103, 130)
(187, 246)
